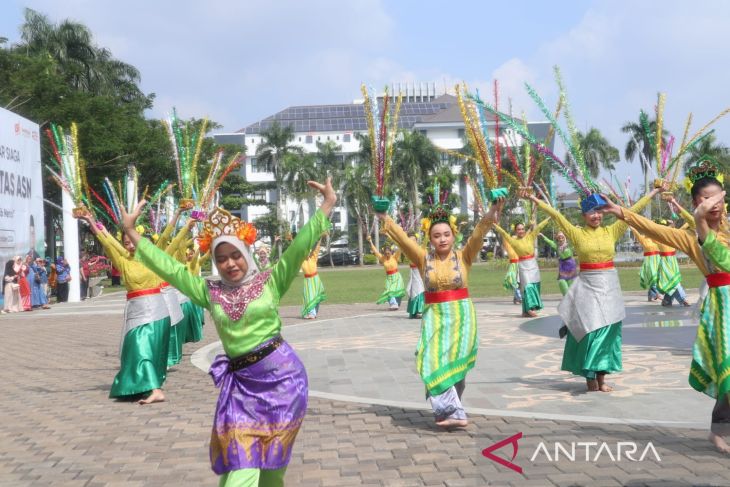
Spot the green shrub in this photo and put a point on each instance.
(369, 259)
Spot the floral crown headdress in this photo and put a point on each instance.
(438, 212)
(704, 167)
(221, 223)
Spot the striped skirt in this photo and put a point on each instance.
(649, 272)
(669, 276)
(394, 288)
(710, 369)
(447, 348)
(313, 294)
(510, 282)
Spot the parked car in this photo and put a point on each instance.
(340, 256)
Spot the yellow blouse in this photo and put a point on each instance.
(309, 266)
(593, 245)
(391, 263)
(648, 244)
(134, 274)
(684, 240)
(440, 275)
(526, 245)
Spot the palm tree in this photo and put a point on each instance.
(709, 146)
(85, 66)
(414, 158)
(356, 192)
(598, 153)
(275, 145)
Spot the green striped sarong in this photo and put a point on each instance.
(649, 272)
(598, 351)
(669, 276)
(447, 348)
(710, 369)
(394, 288)
(510, 279)
(313, 294)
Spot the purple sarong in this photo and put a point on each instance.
(567, 269)
(259, 411)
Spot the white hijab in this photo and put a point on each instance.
(245, 251)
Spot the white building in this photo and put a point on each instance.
(435, 115)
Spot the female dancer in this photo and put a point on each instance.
(313, 288)
(567, 268)
(511, 280)
(263, 383)
(669, 277)
(524, 244)
(649, 272)
(394, 288)
(146, 334)
(710, 352)
(593, 309)
(415, 289)
(448, 344)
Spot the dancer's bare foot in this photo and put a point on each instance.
(529, 314)
(155, 396)
(602, 386)
(719, 443)
(592, 385)
(452, 423)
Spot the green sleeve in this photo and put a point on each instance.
(172, 271)
(552, 244)
(286, 269)
(716, 252)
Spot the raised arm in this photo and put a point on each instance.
(476, 240)
(374, 250)
(505, 235)
(540, 226)
(286, 269)
(550, 243)
(164, 239)
(570, 230)
(679, 239)
(413, 251)
(619, 227)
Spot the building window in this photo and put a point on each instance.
(300, 139)
(336, 217)
(423, 132)
(338, 137)
(308, 139)
(328, 137)
(461, 133)
(259, 195)
(257, 166)
(319, 138)
(346, 138)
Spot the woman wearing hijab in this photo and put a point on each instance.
(38, 277)
(63, 277)
(11, 293)
(263, 397)
(23, 268)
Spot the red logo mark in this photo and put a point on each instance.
(17, 129)
(487, 452)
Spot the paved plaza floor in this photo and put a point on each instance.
(368, 421)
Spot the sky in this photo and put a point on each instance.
(239, 61)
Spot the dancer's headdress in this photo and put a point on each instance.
(221, 225)
(704, 167)
(438, 212)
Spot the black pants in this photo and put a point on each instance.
(62, 292)
(84, 289)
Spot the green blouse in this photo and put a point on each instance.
(260, 320)
(567, 252)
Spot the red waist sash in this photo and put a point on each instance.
(310, 275)
(143, 292)
(445, 296)
(514, 261)
(668, 254)
(164, 284)
(388, 273)
(527, 257)
(718, 279)
(653, 252)
(413, 266)
(595, 266)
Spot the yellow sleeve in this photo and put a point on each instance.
(689, 218)
(164, 239)
(536, 231)
(639, 237)
(678, 239)
(570, 230)
(112, 251)
(619, 227)
(476, 241)
(413, 251)
(505, 236)
(397, 255)
(174, 245)
(375, 252)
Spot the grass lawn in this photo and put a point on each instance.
(364, 285)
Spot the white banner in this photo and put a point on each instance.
(21, 188)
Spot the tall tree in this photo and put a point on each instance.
(598, 152)
(711, 147)
(414, 158)
(275, 146)
(356, 192)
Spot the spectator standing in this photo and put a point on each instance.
(63, 271)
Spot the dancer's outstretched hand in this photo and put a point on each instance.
(328, 192)
(612, 208)
(129, 220)
(713, 203)
(495, 210)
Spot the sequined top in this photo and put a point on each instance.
(391, 263)
(257, 302)
(309, 266)
(593, 245)
(526, 245)
(440, 275)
